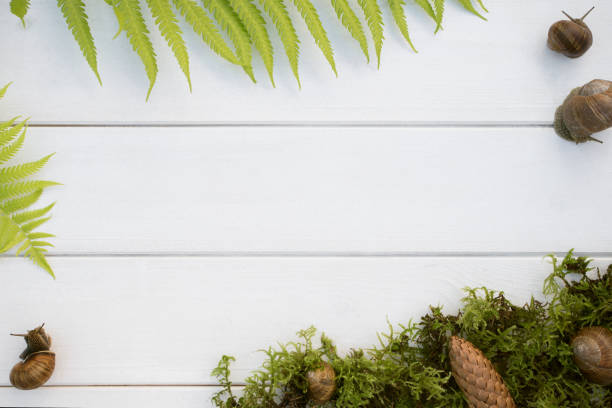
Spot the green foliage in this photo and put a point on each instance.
(244, 24)
(17, 221)
(168, 26)
(74, 14)
(20, 9)
(350, 20)
(528, 345)
(373, 16)
(278, 13)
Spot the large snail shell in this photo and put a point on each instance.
(34, 371)
(586, 110)
(321, 383)
(592, 348)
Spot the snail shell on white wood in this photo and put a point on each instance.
(572, 37)
(592, 348)
(586, 110)
(38, 362)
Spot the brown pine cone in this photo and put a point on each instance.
(482, 385)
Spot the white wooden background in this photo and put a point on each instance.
(219, 222)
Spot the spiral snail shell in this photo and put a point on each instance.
(592, 348)
(38, 362)
(586, 110)
(321, 383)
(572, 37)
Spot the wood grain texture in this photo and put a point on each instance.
(104, 397)
(324, 190)
(472, 71)
(168, 320)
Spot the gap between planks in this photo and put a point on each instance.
(327, 124)
(306, 254)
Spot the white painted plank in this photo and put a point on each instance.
(104, 397)
(473, 71)
(167, 320)
(324, 190)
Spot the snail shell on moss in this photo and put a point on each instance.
(572, 37)
(592, 348)
(586, 110)
(38, 362)
(321, 383)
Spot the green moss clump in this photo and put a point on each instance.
(529, 346)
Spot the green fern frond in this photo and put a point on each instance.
(23, 187)
(482, 5)
(439, 7)
(168, 26)
(138, 35)
(397, 9)
(8, 152)
(4, 89)
(256, 27)
(467, 4)
(20, 203)
(20, 9)
(278, 13)
(21, 171)
(17, 224)
(373, 16)
(425, 5)
(351, 22)
(76, 19)
(205, 28)
(310, 16)
(231, 23)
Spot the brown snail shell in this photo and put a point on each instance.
(586, 110)
(592, 348)
(321, 383)
(572, 37)
(38, 362)
(34, 371)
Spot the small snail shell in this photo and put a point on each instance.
(321, 383)
(34, 371)
(38, 362)
(572, 37)
(592, 348)
(585, 111)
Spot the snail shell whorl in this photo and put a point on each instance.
(322, 383)
(585, 111)
(592, 349)
(34, 371)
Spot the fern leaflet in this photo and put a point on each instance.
(470, 7)
(373, 16)
(3, 90)
(205, 28)
(230, 22)
(21, 171)
(137, 33)
(8, 133)
(278, 13)
(20, 203)
(8, 152)
(167, 23)
(351, 22)
(20, 9)
(310, 16)
(397, 9)
(255, 25)
(425, 5)
(439, 7)
(76, 19)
